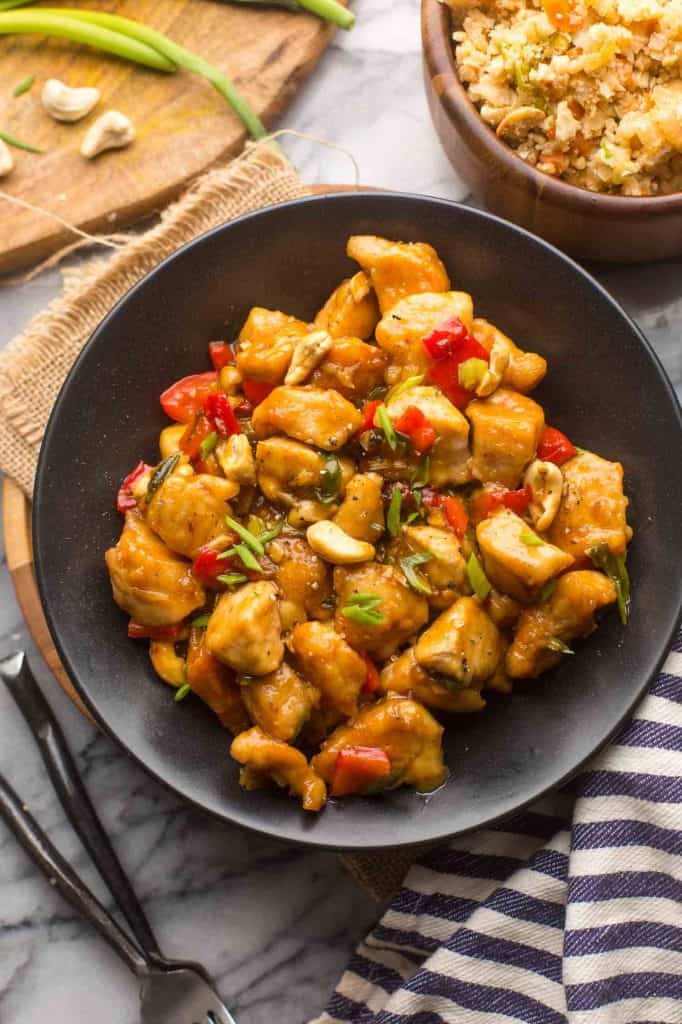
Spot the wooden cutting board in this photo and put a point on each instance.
(183, 125)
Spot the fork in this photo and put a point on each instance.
(171, 991)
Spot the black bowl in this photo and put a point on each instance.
(605, 388)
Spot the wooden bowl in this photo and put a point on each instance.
(585, 224)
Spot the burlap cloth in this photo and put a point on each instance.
(34, 364)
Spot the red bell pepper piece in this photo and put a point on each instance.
(221, 414)
(184, 400)
(221, 354)
(195, 433)
(368, 413)
(554, 446)
(138, 632)
(244, 408)
(456, 515)
(207, 567)
(451, 344)
(371, 684)
(445, 339)
(415, 424)
(257, 390)
(518, 501)
(357, 768)
(125, 499)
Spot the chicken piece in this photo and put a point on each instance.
(188, 510)
(264, 757)
(324, 419)
(288, 471)
(463, 643)
(149, 581)
(402, 330)
(568, 613)
(215, 684)
(446, 571)
(322, 721)
(450, 456)
(351, 309)
(524, 371)
(280, 703)
(244, 629)
(405, 676)
(403, 611)
(361, 513)
(236, 460)
(331, 664)
(397, 269)
(266, 343)
(303, 579)
(169, 440)
(506, 427)
(502, 609)
(593, 507)
(513, 560)
(353, 368)
(404, 730)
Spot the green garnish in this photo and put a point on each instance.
(247, 557)
(201, 621)
(470, 373)
(362, 608)
(580, 451)
(269, 535)
(18, 144)
(393, 515)
(231, 578)
(182, 692)
(330, 485)
(383, 420)
(480, 584)
(415, 579)
(531, 541)
(554, 644)
(24, 86)
(548, 590)
(411, 518)
(409, 382)
(208, 444)
(160, 474)
(421, 473)
(252, 542)
(615, 569)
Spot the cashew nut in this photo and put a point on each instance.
(533, 115)
(236, 460)
(112, 130)
(546, 482)
(333, 544)
(6, 160)
(498, 361)
(167, 663)
(308, 352)
(66, 104)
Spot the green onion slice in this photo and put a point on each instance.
(330, 485)
(269, 535)
(415, 579)
(422, 473)
(614, 567)
(383, 421)
(554, 644)
(232, 578)
(201, 621)
(18, 144)
(364, 616)
(248, 558)
(246, 535)
(160, 474)
(208, 444)
(480, 584)
(393, 515)
(405, 385)
(182, 692)
(531, 541)
(548, 590)
(24, 86)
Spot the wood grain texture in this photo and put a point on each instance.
(183, 125)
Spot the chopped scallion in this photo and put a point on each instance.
(405, 385)
(182, 692)
(422, 473)
(232, 578)
(531, 541)
(548, 590)
(201, 621)
(248, 558)
(393, 515)
(383, 421)
(615, 569)
(160, 474)
(330, 484)
(24, 86)
(208, 444)
(554, 644)
(480, 584)
(269, 535)
(18, 144)
(362, 608)
(415, 579)
(246, 535)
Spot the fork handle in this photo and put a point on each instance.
(73, 796)
(60, 874)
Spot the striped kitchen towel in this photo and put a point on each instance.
(569, 912)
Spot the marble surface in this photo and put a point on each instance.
(273, 923)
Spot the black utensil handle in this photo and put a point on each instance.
(62, 876)
(73, 796)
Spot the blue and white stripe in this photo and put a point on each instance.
(568, 913)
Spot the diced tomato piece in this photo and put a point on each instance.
(257, 390)
(357, 768)
(221, 414)
(207, 567)
(371, 684)
(368, 413)
(456, 515)
(445, 339)
(184, 400)
(125, 499)
(414, 423)
(195, 433)
(554, 446)
(138, 632)
(518, 501)
(221, 354)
